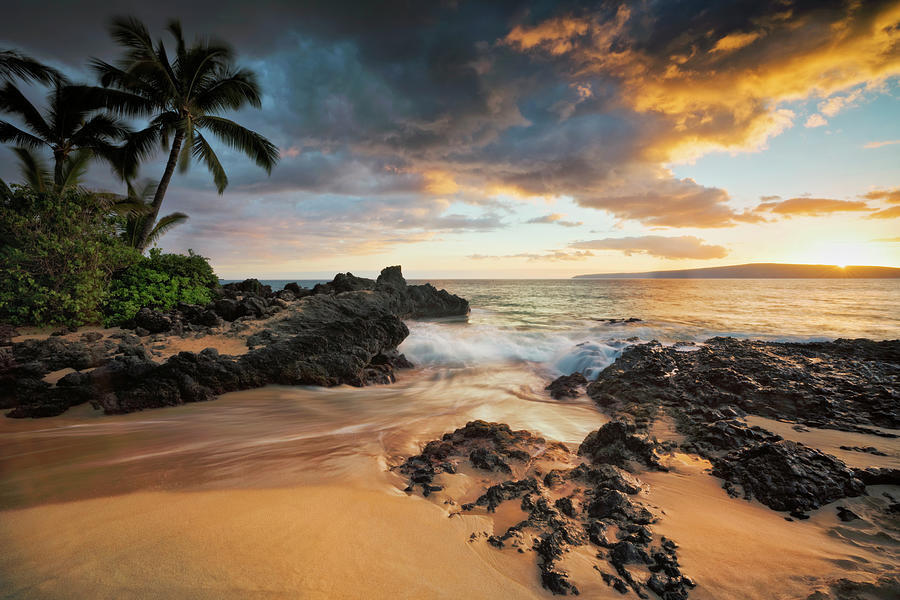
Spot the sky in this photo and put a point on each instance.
(530, 139)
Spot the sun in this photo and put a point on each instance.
(843, 254)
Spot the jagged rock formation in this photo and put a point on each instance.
(345, 334)
(567, 386)
(591, 504)
(849, 385)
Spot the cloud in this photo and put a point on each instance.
(891, 196)
(685, 246)
(383, 109)
(717, 78)
(872, 145)
(811, 207)
(556, 219)
(888, 213)
(662, 201)
(440, 183)
(288, 226)
(832, 106)
(815, 120)
(735, 41)
(551, 256)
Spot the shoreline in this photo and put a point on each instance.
(698, 470)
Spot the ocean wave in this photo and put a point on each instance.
(467, 345)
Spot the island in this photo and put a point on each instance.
(761, 271)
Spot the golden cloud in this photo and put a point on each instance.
(660, 200)
(889, 196)
(440, 183)
(736, 41)
(888, 213)
(811, 207)
(730, 96)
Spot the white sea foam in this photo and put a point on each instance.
(462, 345)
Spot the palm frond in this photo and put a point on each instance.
(100, 127)
(202, 63)
(118, 102)
(138, 147)
(256, 147)
(131, 33)
(10, 134)
(229, 89)
(13, 101)
(174, 28)
(165, 224)
(16, 64)
(112, 76)
(74, 168)
(203, 151)
(33, 169)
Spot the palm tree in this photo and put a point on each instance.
(132, 225)
(73, 121)
(183, 98)
(37, 176)
(15, 64)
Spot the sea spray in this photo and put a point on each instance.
(469, 345)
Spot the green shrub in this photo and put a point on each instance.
(160, 281)
(57, 255)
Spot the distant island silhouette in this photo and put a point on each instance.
(761, 271)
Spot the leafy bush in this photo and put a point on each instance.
(160, 281)
(57, 255)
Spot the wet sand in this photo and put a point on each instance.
(740, 549)
(307, 542)
(286, 492)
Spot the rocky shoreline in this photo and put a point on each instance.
(343, 332)
(592, 497)
(657, 404)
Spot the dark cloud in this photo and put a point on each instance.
(685, 246)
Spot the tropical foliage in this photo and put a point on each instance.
(58, 252)
(160, 281)
(71, 256)
(131, 225)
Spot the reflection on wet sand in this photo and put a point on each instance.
(288, 492)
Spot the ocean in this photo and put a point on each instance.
(562, 325)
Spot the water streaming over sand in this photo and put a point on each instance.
(276, 492)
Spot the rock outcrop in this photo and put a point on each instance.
(590, 505)
(848, 385)
(567, 386)
(346, 333)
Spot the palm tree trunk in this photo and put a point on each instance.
(150, 218)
